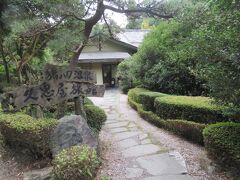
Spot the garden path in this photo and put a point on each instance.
(143, 155)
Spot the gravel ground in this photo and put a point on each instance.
(113, 163)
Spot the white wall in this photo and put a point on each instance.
(97, 67)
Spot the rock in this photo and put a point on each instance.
(40, 174)
(72, 130)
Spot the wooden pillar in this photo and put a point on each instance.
(79, 109)
(61, 109)
(36, 111)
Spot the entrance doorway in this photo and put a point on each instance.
(108, 71)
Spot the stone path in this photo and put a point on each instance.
(147, 158)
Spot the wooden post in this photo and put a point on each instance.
(36, 111)
(61, 108)
(79, 109)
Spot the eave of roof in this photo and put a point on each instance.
(134, 48)
(99, 56)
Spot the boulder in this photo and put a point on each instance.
(72, 130)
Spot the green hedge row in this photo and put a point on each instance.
(222, 141)
(187, 129)
(22, 131)
(193, 108)
(198, 109)
(145, 97)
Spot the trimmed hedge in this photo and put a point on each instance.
(187, 129)
(75, 163)
(22, 131)
(134, 93)
(222, 141)
(145, 97)
(95, 117)
(198, 109)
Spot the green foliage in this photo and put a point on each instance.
(187, 129)
(134, 93)
(196, 53)
(88, 101)
(222, 142)
(77, 162)
(156, 67)
(22, 131)
(145, 97)
(95, 117)
(198, 109)
(124, 72)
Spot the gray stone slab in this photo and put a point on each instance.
(143, 136)
(141, 150)
(134, 172)
(132, 125)
(162, 164)
(117, 125)
(127, 143)
(146, 141)
(170, 177)
(133, 129)
(111, 121)
(118, 130)
(125, 135)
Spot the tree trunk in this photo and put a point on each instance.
(5, 64)
(89, 23)
(19, 74)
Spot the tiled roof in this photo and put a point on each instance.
(132, 36)
(100, 56)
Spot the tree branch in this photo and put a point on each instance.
(109, 28)
(138, 10)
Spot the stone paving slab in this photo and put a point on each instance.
(127, 143)
(170, 177)
(162, 164)
(117, 125)
(125, 135)
(118, 130)
(141, 150)
(146, 141)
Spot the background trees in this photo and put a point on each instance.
(59, 28)
(195, 53)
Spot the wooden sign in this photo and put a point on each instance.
(47, 93)
(60, 83)
(66, 73)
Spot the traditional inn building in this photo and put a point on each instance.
(103, 56)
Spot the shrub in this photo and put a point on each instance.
(125, 76)
(187, 129)
(199, 109)
(222, 142)
(135, 92)
(77, 162)
(22, 131)
(147, 99)
(88, 101)
(95, 117)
